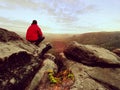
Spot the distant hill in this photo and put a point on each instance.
(109, 40)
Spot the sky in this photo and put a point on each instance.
(61, 16)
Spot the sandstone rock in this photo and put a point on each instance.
(82, 80)
(93, 77)
(91, 55)
(17, 66)
(19, 61)
(9, 48)
(107, 76)
(17, 71)
(21, 65)
(41, 76)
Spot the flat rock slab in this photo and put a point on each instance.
(108, 76)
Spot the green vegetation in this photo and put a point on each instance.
(70, 75)
(52, 79)
(60, 77)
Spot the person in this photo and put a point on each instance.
(34, 33)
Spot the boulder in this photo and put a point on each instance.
(17, 66)
(102, 71)
(19, 60)
(92, 55)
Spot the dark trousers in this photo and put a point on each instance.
(37, 42)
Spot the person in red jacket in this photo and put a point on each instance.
(34, 33)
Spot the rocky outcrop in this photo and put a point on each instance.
(82, 79)
(41, 78)
(19, 60)
(25, 66)
(102, 71)
(92, 55)
(9, 48)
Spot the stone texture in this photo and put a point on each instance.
(82, 79)
(21, 65)
(96, 75)
(108, 76)
(19, 61)
(91, 55)
(42, 75)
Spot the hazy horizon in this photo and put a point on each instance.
(61, 16)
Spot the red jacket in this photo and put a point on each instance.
(33, 32)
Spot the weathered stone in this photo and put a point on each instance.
(91, 55)
(19, 61)
(82, 80)
(18, 66)
(21, 65)
(9, 48)
(107, 76)
(42, 75)
(15, 72)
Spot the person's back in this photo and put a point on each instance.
(34, 33)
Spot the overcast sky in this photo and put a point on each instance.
(61, 16)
